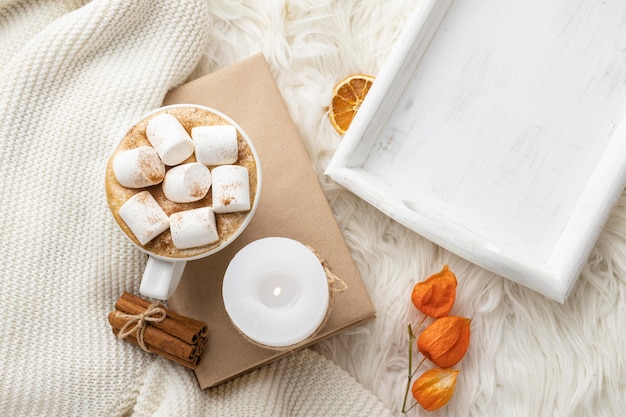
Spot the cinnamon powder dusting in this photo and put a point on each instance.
(227, 223)
(227, 198)
(196, 189)
(152, 168)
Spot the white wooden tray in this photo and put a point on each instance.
(496, 130)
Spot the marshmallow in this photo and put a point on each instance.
(169, 138)
(145, 218)
(231, 189)
(187, 183)
(193, 228)
(215, 145)
(139, 167)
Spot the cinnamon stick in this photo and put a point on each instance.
(185, 328)
(202, 344)
(157, 338)
(176, 337)
(192, 364)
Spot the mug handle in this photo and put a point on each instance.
(160, 278)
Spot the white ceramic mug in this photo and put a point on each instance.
(162, 273)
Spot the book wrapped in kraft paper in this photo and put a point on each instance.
(292, 205)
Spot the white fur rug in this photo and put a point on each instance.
(529, 356)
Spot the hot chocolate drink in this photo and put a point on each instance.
(149, 169)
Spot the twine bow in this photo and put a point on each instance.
(138, 322)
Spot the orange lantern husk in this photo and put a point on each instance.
(435, 295)
(445, 341)
(434, 388)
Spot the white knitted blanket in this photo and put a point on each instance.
(73, 76)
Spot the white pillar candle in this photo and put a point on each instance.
(276, 292)
(187, 183)
(139, 167)
(193, 228)
(169, 138)
(215, 145)
(145, 218)
(230, 189)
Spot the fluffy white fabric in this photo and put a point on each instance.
(62, 266)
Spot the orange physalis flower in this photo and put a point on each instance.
(445, 341)
(434, 388)
(435, 295)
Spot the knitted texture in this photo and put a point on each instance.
(73, 78)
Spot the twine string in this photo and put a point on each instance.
(335, 284)
(155, 313)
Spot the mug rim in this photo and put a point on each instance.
(254, 203)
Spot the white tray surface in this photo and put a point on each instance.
(512, 112)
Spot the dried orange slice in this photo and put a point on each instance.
(348, 95)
